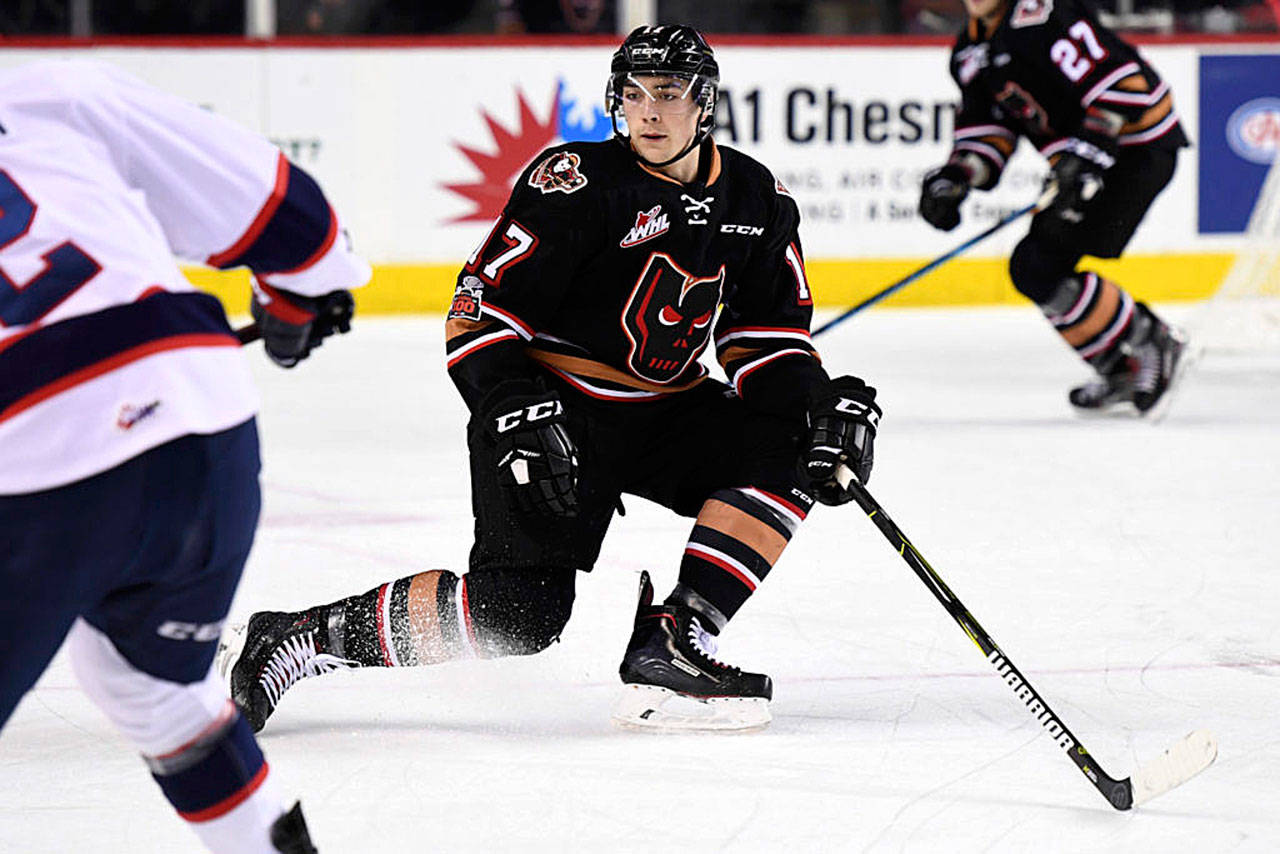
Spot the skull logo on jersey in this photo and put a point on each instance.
(559, 173)
(668, 318)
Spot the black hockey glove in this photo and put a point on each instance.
(292, 325)
(941, 193)
(537, 461)
(1076, 181)
(842, 429)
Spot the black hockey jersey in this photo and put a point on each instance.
(1050, 72)
(609, 275)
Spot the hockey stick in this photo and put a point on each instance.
(932, 265)
(248, 334)
(1174, 767)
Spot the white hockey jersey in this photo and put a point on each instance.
(105, 349)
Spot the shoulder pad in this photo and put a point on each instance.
(745, 166)
(568, 168)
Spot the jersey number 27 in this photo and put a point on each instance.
(1066, 52)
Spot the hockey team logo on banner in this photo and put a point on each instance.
(1253, 130)
(668, 318)
(511, 148)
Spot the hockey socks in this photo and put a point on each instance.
(218, 783)
(739, 535)
(1095, 317)
(420, 619)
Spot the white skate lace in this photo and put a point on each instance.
(1149, 368)
(297, 658)
(704, 642)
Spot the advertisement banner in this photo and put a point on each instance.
(1239, 136)
(419, 146)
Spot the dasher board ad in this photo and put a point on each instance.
(420, 146)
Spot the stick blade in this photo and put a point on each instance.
(1175, 766)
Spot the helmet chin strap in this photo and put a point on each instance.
(693, 143)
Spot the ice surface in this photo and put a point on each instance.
(1129, 570)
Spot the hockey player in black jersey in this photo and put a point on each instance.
(1048, 71)
(574, 338)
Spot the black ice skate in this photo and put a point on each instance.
(265, 657)
(1159, 363)
(1109, 391)
(1143, 374)
(289, 833)
(672, 682)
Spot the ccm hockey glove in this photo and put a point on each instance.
(292, 325)
(537, 461)
(1076, 181)
(842, 429)
(941, 193)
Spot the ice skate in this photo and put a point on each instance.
(265, 657)
(1106, 393)
(1143, 375)
(1160, 364)
(289, 833)
(671, 681)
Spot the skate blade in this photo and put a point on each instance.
(230, 645)
(653, 709)
(1121, 410)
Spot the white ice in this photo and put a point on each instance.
(1129, 569)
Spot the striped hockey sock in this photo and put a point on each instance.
(1094, 316)
(739, 535)
(419, 619)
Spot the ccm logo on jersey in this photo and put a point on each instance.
(198, 632)
(131, 415)
(748, 230)
(529, 414)
(853, 407)
(649, 224)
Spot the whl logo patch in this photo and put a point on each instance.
(649, 224)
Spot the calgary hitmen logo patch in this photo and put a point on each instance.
(558, 174)
(649, 224)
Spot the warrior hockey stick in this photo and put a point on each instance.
(1178, 764)
(932, 265)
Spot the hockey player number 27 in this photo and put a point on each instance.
(66, 268)
(1066, 52)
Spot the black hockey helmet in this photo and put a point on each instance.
(676, 51)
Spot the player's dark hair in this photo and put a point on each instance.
(672, 51)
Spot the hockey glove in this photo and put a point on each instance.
(842, 429)
(537, 461)
(941, 193)
(292, 325)
(1075, 181)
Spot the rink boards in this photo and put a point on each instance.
(418, 145)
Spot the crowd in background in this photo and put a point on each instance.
(390, 17)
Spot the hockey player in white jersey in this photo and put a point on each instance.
(128, 450)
